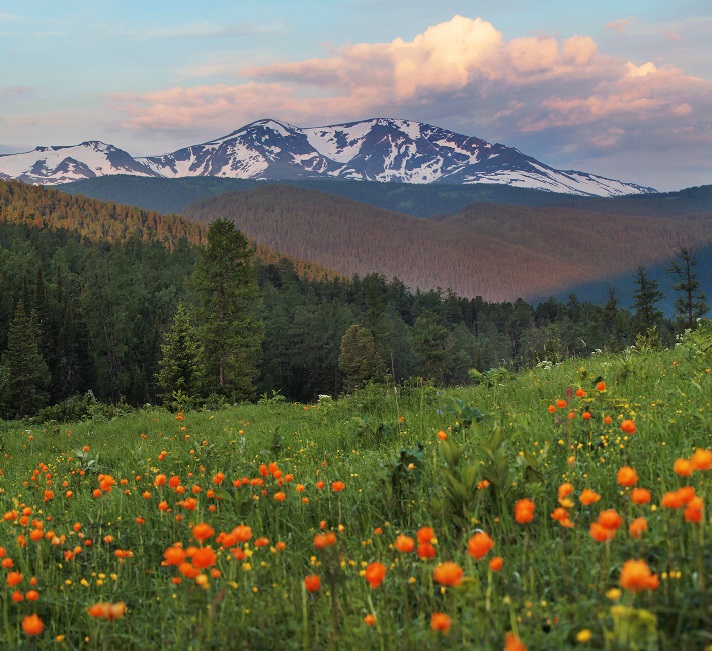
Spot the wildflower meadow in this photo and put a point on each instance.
(563, 507)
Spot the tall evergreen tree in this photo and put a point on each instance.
(181, 366)
(227, 318)
(359, 359)
(25, 372)
(691, 304)
(647, 296)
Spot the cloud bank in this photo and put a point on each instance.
(462, 74)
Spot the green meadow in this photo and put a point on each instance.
(196, 530)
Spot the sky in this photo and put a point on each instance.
(621, 88)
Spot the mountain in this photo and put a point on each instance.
(379, 149)
(54, 165)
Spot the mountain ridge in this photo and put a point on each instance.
(378, 149)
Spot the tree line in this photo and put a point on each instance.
(137, 321)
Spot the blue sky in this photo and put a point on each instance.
(622, 89)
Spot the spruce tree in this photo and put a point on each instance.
(691, 304)
(227, 315)
(181, 367)
(25, 372)
(359, 360)
(647, 296)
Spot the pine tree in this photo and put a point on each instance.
(181, 367)
(430, 345)
(25, 371)
(646, 296)
(359, 359)
(691, 304)
(227, 314)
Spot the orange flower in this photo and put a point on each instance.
(242, 533)
(702, 459)
(280, 496)
(524, 511)
(204, 557)
(203, 531)
(322, 540)
(448, 574)
(628, 426)
(174, 481)
(694, 510)
(375, 573)
(32, 595)
(262, 541)
(370, 619)
(610, 519)
(338, 486)
(496, 563)
(425, 535)
(588, 497)
(17, 596)
(551, 409)
(565, 490)
(442, 435)
(174, 555)
(425, 551)
(160, 480)
(686, 493)
(312, 583)
(600, 533)
(561, 403)
(672, 500)
(13, 578)
(607, 420)
(320, 485)
(638, 527)
(580, 393)
(404, 544)
(627, 476)
(636, 576)
(32, 625)
(640, 495)
(683, 467)
(479, 545)
(107, 611)
(440, 622)
(513, 643)
(586, 415)
(601, 386)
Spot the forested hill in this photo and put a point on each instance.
(173, 195)
(495, 251)
(44, 208)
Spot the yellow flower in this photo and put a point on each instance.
(583, 636)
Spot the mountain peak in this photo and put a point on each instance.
(377, 149)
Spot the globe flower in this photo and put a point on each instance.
(627, 476)
(448, 574)
(479, 545)
(524, 511)
(638, 527)
(610, 519)
(426, 550)
(588, 497)
(425, 535)
(496, 564)
(701, 459)
(636, 576)
(338, 486)
(32, 625)
(375, 573)
(683, 467)
(628, 426)
(204, 557)
(440, 622)
(404, 544)
(203, 531)
(312, 583)
(513, 643)
(640, 495)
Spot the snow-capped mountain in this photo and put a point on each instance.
(53, 165)
(370, 150)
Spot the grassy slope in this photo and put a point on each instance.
(554, 581)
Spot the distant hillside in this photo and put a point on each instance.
(173, 195)
(491, 250)
(44, 208)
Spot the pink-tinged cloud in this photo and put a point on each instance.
(462, 74)
(620, 26)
